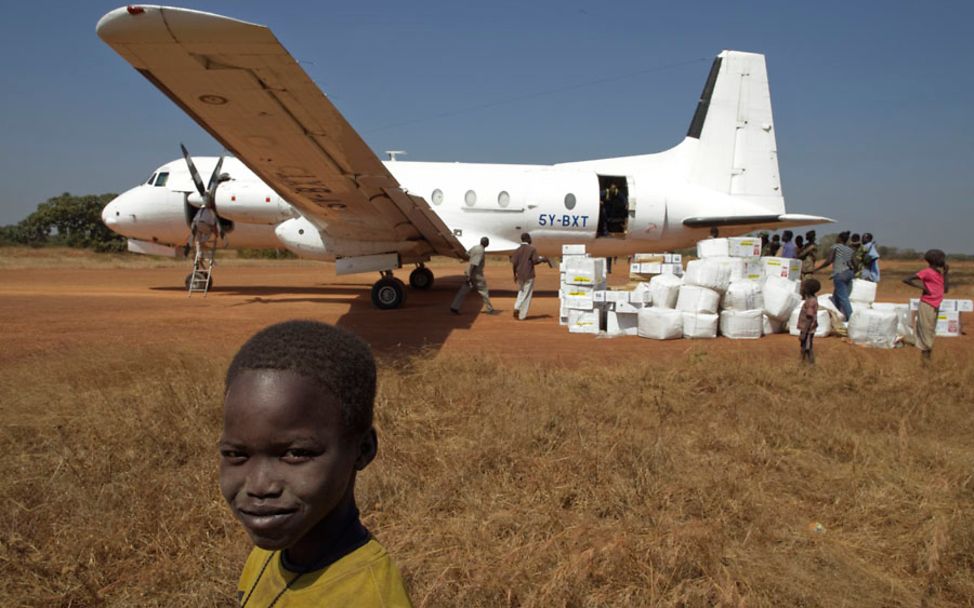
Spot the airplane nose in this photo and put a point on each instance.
(109, 215)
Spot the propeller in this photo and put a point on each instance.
(208, 192)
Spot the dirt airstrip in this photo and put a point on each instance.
(73, 303)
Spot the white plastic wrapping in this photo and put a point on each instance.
(743, 295)
(873, 327)
(664, 290)
(660, 323)
(621, 323)
(742, 324)
(584, 321)
(771, 326)
(863, 291)
(699, 325)
(712, 248)
(694, 298)
(737, 267)
(709, 273)
(824, 323)
(780, 298)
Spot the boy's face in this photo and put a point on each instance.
(286, 459)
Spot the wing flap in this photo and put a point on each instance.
(241, 85)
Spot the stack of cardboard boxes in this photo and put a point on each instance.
(581, 277)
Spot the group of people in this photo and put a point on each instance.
(523, 261)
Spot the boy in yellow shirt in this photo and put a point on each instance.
(297, 427)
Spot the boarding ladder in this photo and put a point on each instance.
(199, 280)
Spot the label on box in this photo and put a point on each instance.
(650, 268)
(786, 268)
(598, 296)
(948, 323)
(744, 247)
(573, 250)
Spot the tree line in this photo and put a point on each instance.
(68, 221)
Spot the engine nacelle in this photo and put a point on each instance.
(302, 238)
(251, 205)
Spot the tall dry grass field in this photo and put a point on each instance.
(694, 481)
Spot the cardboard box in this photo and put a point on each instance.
(584, 321)
(627, 307)
(948, 323)
(598, 295)
(579, 297)
(674, 269)
(584, 271)
(673, 258)
(650, 268)
(786, 268)
(617, 296)
(744, 247)
(573, 250)
(753, 269)
(640, 296)
(621, 324)
(712, 248)
(650, 258)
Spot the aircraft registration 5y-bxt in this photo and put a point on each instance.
(302, 178)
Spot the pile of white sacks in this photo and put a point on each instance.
(730, 291)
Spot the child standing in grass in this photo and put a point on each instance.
(808, 318)
(933, 281)
(297, 427)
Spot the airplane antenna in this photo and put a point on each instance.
(394, 154)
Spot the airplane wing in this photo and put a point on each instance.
(240, 84)
(772, 221)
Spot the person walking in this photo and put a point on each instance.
(474, 278)
(933, 281)
(523, 261)
(840, 258)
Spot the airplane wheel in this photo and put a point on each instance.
(388, 293)
(421, 278)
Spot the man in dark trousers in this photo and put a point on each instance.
(524, 260)
(475, 278)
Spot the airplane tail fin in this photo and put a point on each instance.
(736, 152)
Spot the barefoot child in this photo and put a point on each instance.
(808, 318)
(933, 281)
(297, 428)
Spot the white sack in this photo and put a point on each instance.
(694, 298)
(742, 324)
(621, 323)
(824, 323)
(873, 327)
(863, 291)
(825, 301)
(780, 298)
(771, 326)
(699, 325)
(712, 248)
(664, 289)
(660, 323)
(743, 295)
(709, 273)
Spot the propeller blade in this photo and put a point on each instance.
(193, 172)
(212, 186)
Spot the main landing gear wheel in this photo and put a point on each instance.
(189, 278)
(388, 293)
(421, 278)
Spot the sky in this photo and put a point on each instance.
(872, 100)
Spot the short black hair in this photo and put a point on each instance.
(787, 235)
(484, 241)
(810, 287)
(525, 237)
(935, 257)
(331, 357)
(843, 237)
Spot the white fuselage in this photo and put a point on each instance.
(556, 204)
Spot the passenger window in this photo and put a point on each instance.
(470, 198)
(162, 179)
(504, 199)
(437, 197)
(569, 201)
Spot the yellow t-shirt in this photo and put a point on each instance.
(365, 577)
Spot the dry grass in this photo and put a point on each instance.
(687, 482)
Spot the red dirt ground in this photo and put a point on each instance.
(67, 308)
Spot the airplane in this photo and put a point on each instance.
(302, 178)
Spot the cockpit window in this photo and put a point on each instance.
(151, 179)
(162, 179)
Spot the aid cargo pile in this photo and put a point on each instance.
(729, 291)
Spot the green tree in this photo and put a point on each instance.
(74, 221)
